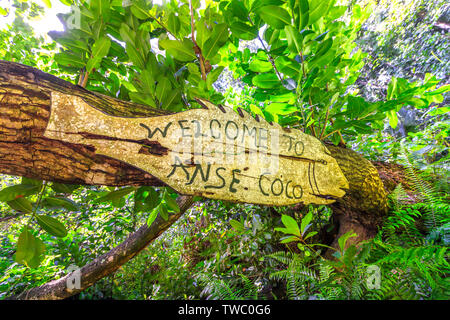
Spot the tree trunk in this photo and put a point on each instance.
(25, 107)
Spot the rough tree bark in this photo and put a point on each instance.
(25, 107)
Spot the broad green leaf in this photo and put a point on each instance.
(58, 202)
(115, 194)
(323, 48)
(442, 89)
(173, 23)
(135, 56)
(163, 211)
(439, 111)
(243, 30)
(214, 75)
(31, 182)
(236, 225)
(305, 221)
(290, 225)
(139, 10)
(288, 66)
(171, 100)
(39, 249)
(280, 108)
(317, 9)
(309, 235)
(99, 50)
(393, 118)
(218, 38)
(12, 192)
(180, 50)
(295, 39)
(261, 3)
(163, 88)
(274, 16)
(289, 239)
(64, 188)
(266, 80)
(152, 216)
(25, 246)
(29, 249)
(171, 203)
(260, 66)
(239, 10)
(52, 226)
(148, 82)
(303, 14)
(101, 47)
(343, 239)
(69, 60)
(21, 205)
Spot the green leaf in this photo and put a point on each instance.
(163, 211)
(117, 194)
(239, 10)
(52, 226)
(171, 203)
(214, 75)
(173, 23)
(343, 239)
(57, 202)
(323, 48)
(135, 56)
(288, 66)
(12, 192)
(317, 9)
(31, 182)
(101, 47)
(439, 111)
(64, 188)
(294, 38)
(236, 225)
(243, 30)
(393, 118)
(280, 108)
(21, 205)
(69, 60)
(442, 89)
(305, 222)
(180, 50)
(163, 88)
(99, 50)
(289, 239)
(29, 249)
(309, 235)
(25, 246)
(152, 216)
(274, 16)
(260, 66)
(303, 14)
(266, 80)
(39, 249)
(217, 39)
(139, 10)
(291, 225)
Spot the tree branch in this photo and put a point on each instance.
(107, 263)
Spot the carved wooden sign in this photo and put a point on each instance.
(213, 152)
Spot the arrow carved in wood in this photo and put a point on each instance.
(213, 152)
